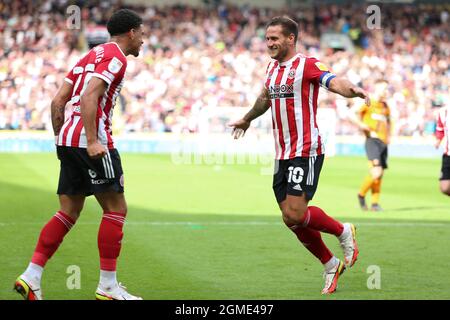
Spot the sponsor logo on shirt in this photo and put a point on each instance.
(281, 91)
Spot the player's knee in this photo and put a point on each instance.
(445, 189)
(376, 172)
(73, 212)
(123, 209)
(294, 214)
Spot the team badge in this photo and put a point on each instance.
(115, 65)
(291, 74)
(321, 66)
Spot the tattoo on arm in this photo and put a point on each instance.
(58, 106)
(260, 107)
(57, 112)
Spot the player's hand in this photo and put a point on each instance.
(437, 144)
(239, 128)
(359, 92)
(96, 150)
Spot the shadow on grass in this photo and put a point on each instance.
(199, 255)
(420, 208)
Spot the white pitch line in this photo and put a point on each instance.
(241, 223)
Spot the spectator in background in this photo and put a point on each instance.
(193, 53)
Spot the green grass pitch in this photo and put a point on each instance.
(215, 232)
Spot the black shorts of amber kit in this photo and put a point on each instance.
(297, 176)
(445, 169)
(377, 152)
(80, 174)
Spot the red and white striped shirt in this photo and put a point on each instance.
(107, 62)
(293, 88)
(443, 128)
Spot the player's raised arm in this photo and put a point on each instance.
(58, 106)
(347, 89)
(262, 104)
(89, 105)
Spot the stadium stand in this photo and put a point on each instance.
(214, 55)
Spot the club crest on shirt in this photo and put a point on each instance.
(115, 65)
(291, 74)
(321, 66)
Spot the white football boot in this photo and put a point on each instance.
(118, 292)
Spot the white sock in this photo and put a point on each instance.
(108, 279)
(346, 232)
(34, 274)
(331, 264)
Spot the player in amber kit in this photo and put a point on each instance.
(443, 134)
(290, 90)
(375, 122)
(90, 164)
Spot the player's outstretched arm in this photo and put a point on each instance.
(89, 105)
(58, 106)
(259, 108)
(347, 89)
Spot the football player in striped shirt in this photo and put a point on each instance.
(443, 135)
(290, 90)
(90, 164)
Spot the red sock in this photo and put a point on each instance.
(316, 219)
(312, 240)
(109, 239)
(51, 237)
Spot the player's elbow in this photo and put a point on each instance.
(88, 98)
(58, 101)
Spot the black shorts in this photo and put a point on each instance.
(377, 152)
(81, 174)
(445, 170)
(297, 175)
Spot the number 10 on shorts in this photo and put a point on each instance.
(295, 174)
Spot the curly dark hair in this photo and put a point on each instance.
(123, 21)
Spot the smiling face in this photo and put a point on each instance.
(136, 41)
(278, 44)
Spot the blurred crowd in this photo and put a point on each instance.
(215, 56)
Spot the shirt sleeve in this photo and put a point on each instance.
(70, 77)
(317, 72)
(108, 69)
